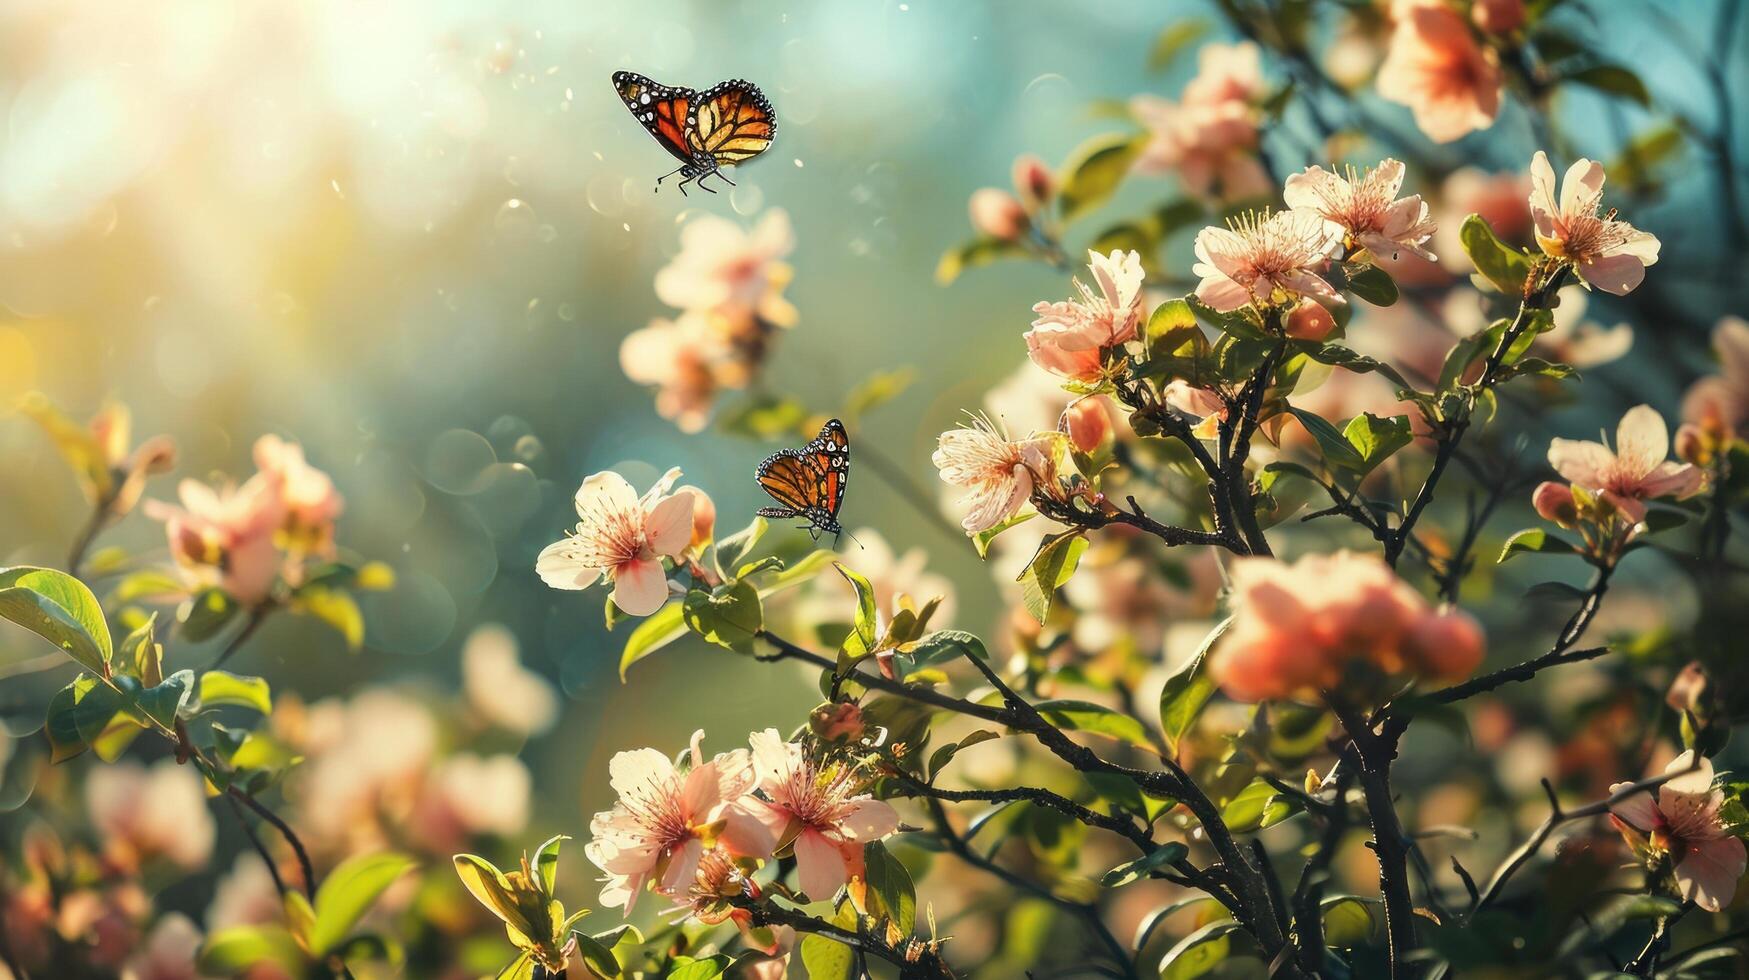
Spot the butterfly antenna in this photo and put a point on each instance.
(840, 534)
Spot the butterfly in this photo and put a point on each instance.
(809, 482)
(725, 125)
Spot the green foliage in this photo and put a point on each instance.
(729, 616)
(205, 614)
(891, 895)
(1051, 566)
(1504, 266)
(1188, 690)
(1258, 805)
(704, 968)
(1535, 540)
(659, 629)
(982, 540)
(60, 609)
(348, 893)
(1096, 719)
(533, 919)
(978, 252)
(1374, 285)
(1375, 439)
(1199, 953)
(862, 638)
(1094, 171)
(1162, 856)
(336, 608)
(1613, 80)
(218, 687)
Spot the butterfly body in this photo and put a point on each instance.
(725, 125)
(809, 482)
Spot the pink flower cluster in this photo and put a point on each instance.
(243, 539)
(998, 474)
(1298, 628)
(1073, 339)
(728, 285)
(684, 832)
(1679, 823)
(1436, 66)
(1005, 217)
(1209, 136)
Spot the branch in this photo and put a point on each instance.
(1558, 816)
(926, 963)
(1376, 753)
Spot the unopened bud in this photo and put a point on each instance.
(1033, 181)
(1088, 423)
(1554, 502)
(1309, 321)
(1498, 16)
(997, 214)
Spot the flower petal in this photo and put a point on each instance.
(820, 867)
(560, 568)
(605, 492)
(1708, 874)
(1587, 464)
(632, 773)
(1617, 274)
(668, 525)
(640, 587)
(1641, 442)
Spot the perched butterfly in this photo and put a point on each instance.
(727, 124)
(809, 482)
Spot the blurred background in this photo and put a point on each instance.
(411, 235)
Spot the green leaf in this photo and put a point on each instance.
(1052, 566)
(939, 759)
(795, 573)
(766, 417)
(1163, 855)
(981, 541)
(1350, 922)
(1500, 264)
(230, 952)
(1535, 540)
(1614, 80)
(1337, 355)
(827, 959)
(1664, 519)
(1096, 719)
(489, 887)
(730, 618)
(336, 608)
(1199, 953)
(1173, 41)
(732, 549)
(1188, 690)
(1374, 285)
(893, 895)
(70, 723)
(141, 654)
(1331, 442)
(1095, 169)
(159, 704)
(348, 893)
(877, 389)
(943, 646)
(546, 860)
(221, 687)
(1375, 439)
(1465, 352)
(1257, 806)
(149, 584)
(521, 968)
(973, 254)
(1555, 592)
(60, 609)
(659, 629)
(862, 638)
(205, 614)
(603, 963)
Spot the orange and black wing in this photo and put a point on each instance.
(666, 113)
(809, 482)
(734, 122)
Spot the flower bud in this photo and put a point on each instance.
(1033, 181)
(837, 721)
(997, 214)
(704, 518)
(1088, 423)
(1554, 502)
(1448, 643)
(1688, 692)
(1498, 16)
(1693, 444)
(1309, 321)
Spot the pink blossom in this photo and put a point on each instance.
(1435, 67)
(665, 819)
(733, 272)
(1209, 136)
(225, 537)
(499, 689)
(683, 359)
(1267, 260)
(1297, 627)
(1719, 404)
(1680, 820)
(470, 795)
(623, 537)
(308, 495)
(144, 814)
(1070, 338)
(996, 214)
(1609, 254)
(1088, 424)
(998, 474)
(1636, 471)
(818, 808)
(1554, 502)
(1365, 208)
(168, 953)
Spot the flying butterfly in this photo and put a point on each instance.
(725, 125)
(809, 482)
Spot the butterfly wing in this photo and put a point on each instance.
(734, 122)
(666, 113)
(809, 482)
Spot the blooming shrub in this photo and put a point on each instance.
(1271, 690)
